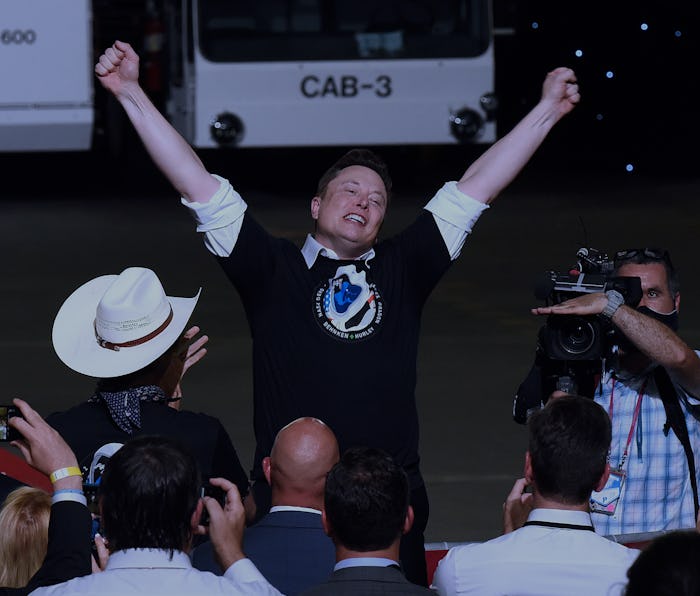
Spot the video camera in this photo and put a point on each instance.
(572, 348)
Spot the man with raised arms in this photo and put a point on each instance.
(335, 326)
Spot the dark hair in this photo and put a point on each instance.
(644, 256)
(569, 443)
(356, 157)
(366, 499)
(669, 566)
(149, 491)
(138, 378)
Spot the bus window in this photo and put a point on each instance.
(322, 30)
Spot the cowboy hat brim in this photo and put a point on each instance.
(75, 343)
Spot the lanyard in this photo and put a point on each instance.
(547, 524)
(637, 409)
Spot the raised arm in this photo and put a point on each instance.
(68, 551)
(118, 72)
(499, 165)
(43, 447)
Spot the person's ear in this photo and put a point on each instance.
(196, 515)
(677, 301)
(326, 524)
(315, 204)
(267, 468)
(408, 522)
(528, 468)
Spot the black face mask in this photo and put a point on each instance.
(668, 319)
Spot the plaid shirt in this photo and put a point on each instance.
(657, 494)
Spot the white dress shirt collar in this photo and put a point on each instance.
(312, 248)
(364, 562)
(293, 508)
(561, 516)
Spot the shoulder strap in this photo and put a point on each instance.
(675, 419)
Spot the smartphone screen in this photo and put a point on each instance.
(7, 433)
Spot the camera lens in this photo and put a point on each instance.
(576, 335)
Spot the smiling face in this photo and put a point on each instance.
(351, 211)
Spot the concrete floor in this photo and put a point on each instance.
(61, 227)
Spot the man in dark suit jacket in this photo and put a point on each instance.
(366, 511)
(289, 546)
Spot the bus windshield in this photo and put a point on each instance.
(314, 30)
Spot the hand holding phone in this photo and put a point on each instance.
(7, 433)
(41, 445)
(215, 492)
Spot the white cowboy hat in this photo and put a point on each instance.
(117, 324)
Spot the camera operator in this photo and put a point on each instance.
(649, 389)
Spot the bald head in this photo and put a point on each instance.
(303, 453)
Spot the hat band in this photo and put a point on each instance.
(134, 342)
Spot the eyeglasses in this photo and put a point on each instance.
(656, 254)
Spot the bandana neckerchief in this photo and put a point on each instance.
(125, 406)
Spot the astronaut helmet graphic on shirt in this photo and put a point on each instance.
(348, 304)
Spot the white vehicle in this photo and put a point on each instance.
(46, 95)
(254, 73)
(272, 73)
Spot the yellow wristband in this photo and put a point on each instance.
(64, 473)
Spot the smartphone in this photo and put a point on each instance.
(208, 490)
(7, 433)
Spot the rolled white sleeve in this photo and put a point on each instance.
(455, 215)
(246, 577)
(220, 218)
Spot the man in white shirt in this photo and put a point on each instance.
(288, 545)
(556, 551)
(149, 510)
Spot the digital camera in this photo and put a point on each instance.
(573, 346)
(574, 337)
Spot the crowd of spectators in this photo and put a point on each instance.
(339, 506)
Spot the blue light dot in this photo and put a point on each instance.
(535, 25)
(677, 33)
(629, 167)
(599, 117)
(578, 53)
(644, 27)
(609, 74)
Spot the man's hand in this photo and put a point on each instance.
(226, 525)
(561, 88)
(118, 68)
(99, 564)
(42, 446)
(187, 354)
(516, 507)
(588, 304)
(501, 163)
(191, 352)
